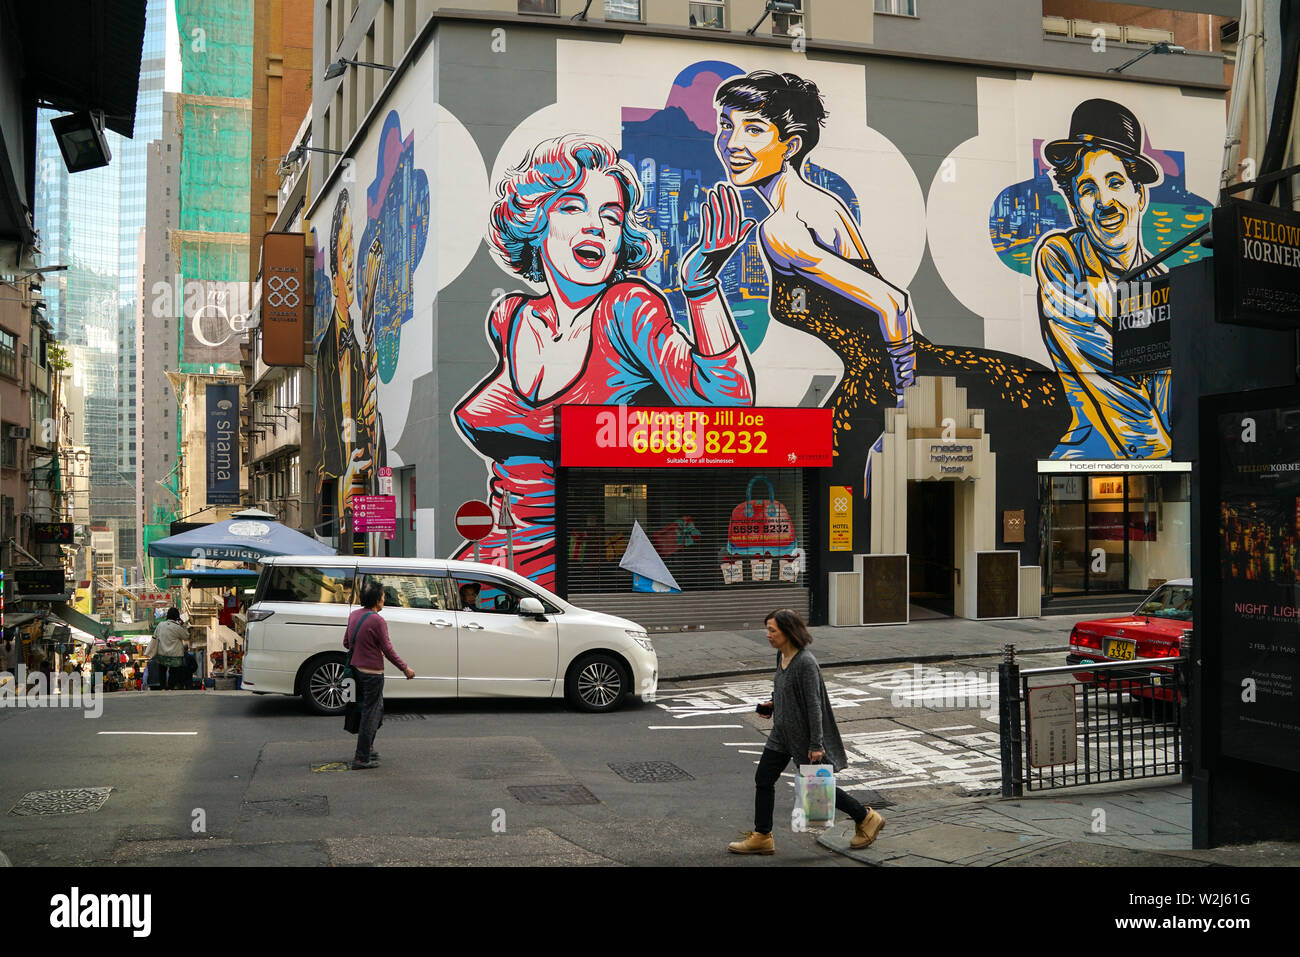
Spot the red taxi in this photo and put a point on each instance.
(1155, 630)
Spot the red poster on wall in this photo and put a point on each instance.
(603, 436)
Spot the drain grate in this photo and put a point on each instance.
(552, 795)
(310, 805)
(61, 801)
(650, 772)
(408, 716)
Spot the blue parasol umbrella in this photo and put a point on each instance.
(242, 538)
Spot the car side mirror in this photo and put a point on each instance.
(532, 608)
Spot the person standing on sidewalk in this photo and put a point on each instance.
(802, 725)
(367, 628)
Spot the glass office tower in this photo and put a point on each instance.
(90, 223)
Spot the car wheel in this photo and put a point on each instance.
(322, 685)
(596, 683)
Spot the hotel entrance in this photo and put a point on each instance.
(1114, 532)
(932, 551)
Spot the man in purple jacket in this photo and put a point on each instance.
(370, 632)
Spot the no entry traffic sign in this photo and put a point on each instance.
(474, 521)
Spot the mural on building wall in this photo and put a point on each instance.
(809, 267)
(571, 218)
(357, 350)
(707, 232)
(1096, 230)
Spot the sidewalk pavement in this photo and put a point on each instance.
(1141, 826)
(692, 655)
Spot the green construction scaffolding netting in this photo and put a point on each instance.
(216, 143)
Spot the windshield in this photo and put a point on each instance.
(1169, 601)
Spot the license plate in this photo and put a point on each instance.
(1121, 649)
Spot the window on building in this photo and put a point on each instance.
(538, 6)
(8, 447)
(902, 8)
(710, 14)
(8, 354)
(623, 10)
(295, 464)
(789, 24)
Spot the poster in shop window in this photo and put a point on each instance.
(762, 542)
(1258, 499)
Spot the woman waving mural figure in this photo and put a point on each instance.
(569, 217)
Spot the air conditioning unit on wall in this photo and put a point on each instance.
(19, 432)
(1147, 35)
(1083, 29)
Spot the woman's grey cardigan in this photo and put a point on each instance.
(802, 720)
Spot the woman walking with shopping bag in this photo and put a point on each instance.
(803, 728)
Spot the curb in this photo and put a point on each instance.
(892, 660)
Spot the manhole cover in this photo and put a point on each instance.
(330, 766)
(650, 772)
(552, 794)
(403, 717)
(62, 801)
(311, 805)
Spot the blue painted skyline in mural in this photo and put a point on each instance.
(672, 151)
(1025, 211)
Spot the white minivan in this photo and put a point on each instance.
(507, 637)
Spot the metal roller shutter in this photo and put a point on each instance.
(697, 520)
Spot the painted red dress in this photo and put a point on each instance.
(636, 356)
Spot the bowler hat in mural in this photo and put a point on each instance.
(1108, 125)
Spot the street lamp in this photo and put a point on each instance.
(1162, 47)
(339, 67)
(295, 156)
(81, 140)
(773, 6)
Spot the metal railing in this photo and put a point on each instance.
(1127, 723)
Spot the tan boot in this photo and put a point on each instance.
(755, 843)
(866, 832)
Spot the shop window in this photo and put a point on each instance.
(712, 529)
(708, 14)
(625, 504)
(538, 6)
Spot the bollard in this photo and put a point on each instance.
(1009, 721)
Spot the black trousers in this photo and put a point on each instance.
(370, 695)
(770, 766)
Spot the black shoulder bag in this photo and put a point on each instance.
(352, 710)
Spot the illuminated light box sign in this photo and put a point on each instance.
(600, 436)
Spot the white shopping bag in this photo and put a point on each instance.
(814, 797)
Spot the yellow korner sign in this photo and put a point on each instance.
(958, 459)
